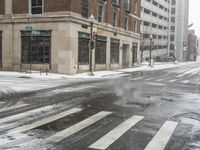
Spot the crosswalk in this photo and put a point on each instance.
(158, 142)
(184, 75)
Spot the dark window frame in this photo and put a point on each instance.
(114, 51)
(85, 8)
(101, 12)
(37, 50)
(100, 51)
(83, 48)
(37, 7)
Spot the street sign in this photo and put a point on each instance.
(29, 28)
(35, 32)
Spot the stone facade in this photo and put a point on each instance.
(64, 21)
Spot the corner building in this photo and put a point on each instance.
(55, 34)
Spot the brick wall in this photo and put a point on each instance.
(2, 7)
(57, 5)
(20, 6)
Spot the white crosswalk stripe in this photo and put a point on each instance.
(158, 142)
(25, 114)
(116, 133)
(162, 137)
(78, 127)
(43, 121)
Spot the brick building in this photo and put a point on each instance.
(55, 34)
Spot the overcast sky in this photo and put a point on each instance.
(195, 15)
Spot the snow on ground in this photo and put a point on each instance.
(11, 82)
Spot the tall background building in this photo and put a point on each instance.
(179, 39)
(167, 22)
(155, 23)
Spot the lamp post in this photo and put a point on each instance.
(91, 20)
(151, 38)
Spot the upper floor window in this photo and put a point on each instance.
(114, 18)
(134, 26)
(115, 2)
(127, 5)
(84, 8)
(126, 23)
(136, 7)
(36, 6)
(100, 12)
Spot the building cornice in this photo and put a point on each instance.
(67, 17)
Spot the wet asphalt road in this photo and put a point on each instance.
(170, 95)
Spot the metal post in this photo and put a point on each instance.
(90, 49)
(31, 53)
(150, 54)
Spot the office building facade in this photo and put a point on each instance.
(55, 34)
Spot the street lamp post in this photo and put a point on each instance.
(151, 38)
(91, 19)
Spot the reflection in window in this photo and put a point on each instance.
(36, 49)
(36, 6)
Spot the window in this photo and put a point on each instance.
(0, 49)
(136, 7)
(84, 8)
(173, 2)
(100, 51)
(114, 47)
(145, 23)
(172, 38)
(36, 6)
(125, 23)
(127, 5)
(173, 11)
(115, 2)
(134, 26)
(83, 49)
(147, 11)
(100, 12)
(173, 19)
(36, 49)
(114, 19)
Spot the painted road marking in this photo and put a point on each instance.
(77, 127)
(185, 81)
(18, 105)
(173, 80)
(104, 142)
(159, 80)
(162, 137)
(25, 114)
(44, 121)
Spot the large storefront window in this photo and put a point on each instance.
(114, 51)
(0, 49)
(83, 48)
(36, 49)
(100, 51)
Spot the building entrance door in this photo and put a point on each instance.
(125, 56)
(0, 49)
